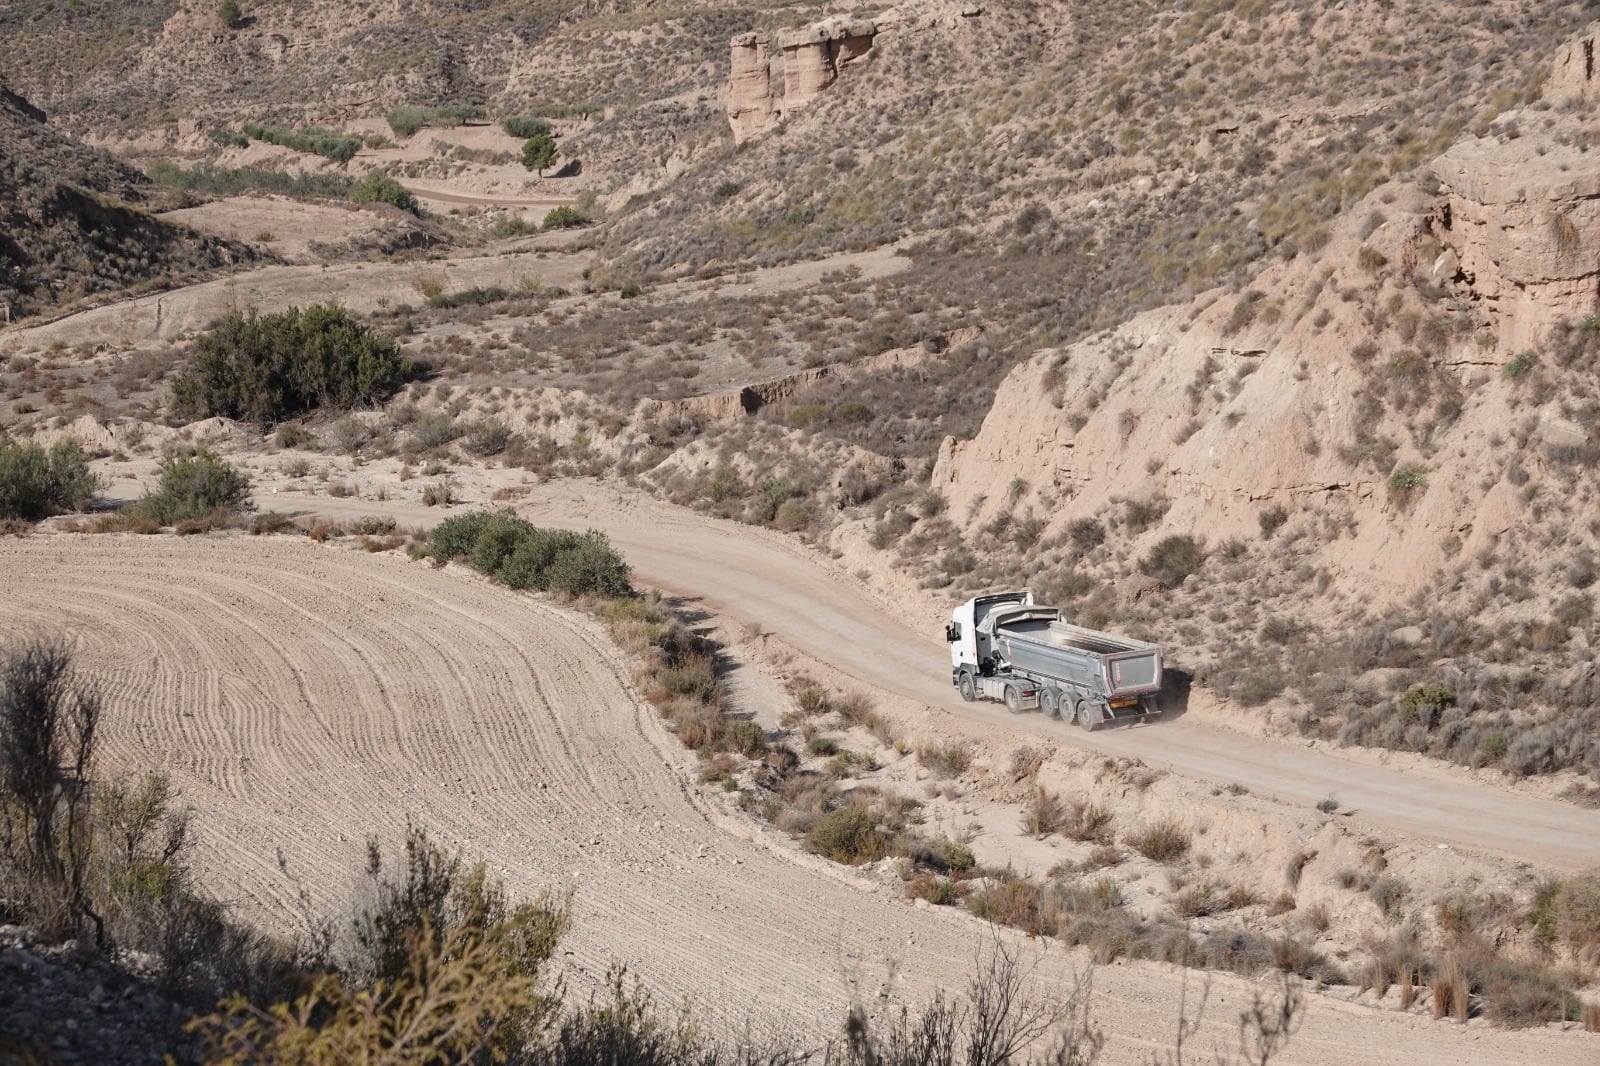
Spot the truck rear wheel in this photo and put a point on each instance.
(1048, 704)
(1013, 699)
(969, 688)
(1088, 715)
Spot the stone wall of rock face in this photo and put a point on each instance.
(1520, 230)
(752, 109)
(813, 59)
(1572, 75)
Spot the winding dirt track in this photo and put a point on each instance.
(304, 696)
(766, 580)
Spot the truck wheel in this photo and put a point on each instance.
(969, 688)
(1047, 703)
(1088, 715)
(1013, 699)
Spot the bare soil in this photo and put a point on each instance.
(304, 696)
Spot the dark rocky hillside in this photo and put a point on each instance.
(74, 221)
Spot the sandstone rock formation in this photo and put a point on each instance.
(1573, 72)
(752, 108)
(813, 59)
(1520, 227)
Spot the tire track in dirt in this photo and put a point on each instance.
(303, 696)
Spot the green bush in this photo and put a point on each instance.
(266, 368)
(339, 147)
(590, 566)
(497, 539)
(1425, 703)
(193, 486)
(564, 217)
(772, 493)
(520, 555)
(35, 482)
(454, 537)
(379, 188)
(222, 181)
(409, 119)
(229, 13)
(524, 126)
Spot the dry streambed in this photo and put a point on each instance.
(303, 696)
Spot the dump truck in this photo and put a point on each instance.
(1005, 647)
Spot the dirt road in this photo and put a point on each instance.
(303, 696)
(766, 580)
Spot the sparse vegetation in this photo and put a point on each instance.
(339, 147)
(405, 121)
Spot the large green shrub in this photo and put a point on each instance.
(380, 188)
(520, 555)
(524, 126)
(848, 835)
(35, 482)
(193, 486)
(564, 217)
(266, 368)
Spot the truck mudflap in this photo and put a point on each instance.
(1130, 708)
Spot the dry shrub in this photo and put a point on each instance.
(947, 760)
(1044, 813)
(1164, 841)
(1089, 824)
(1026, 761)
(1451, 996)
(937, 890)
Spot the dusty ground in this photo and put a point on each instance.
(766, 580)
(303, 696)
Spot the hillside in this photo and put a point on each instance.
(73, 221)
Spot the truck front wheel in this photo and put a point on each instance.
(969, 688)
(1088, 715)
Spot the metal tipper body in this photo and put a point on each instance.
(1005, 647)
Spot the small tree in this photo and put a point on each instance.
(539, 152)
(48, 725)
(230, 13)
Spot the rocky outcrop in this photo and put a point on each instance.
(1520, 229)
(1572, 75)
(813, 59)
(752, 108)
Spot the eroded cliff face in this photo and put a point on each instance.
(1520, 229)
(813, 59)
(1416, 394)
(752, 108)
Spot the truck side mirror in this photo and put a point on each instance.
(952, 633)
